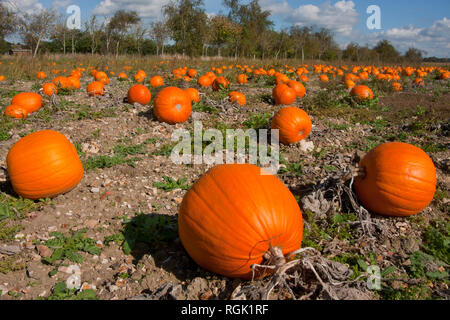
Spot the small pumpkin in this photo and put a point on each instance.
(30, 101)
(140, 94)
(220, 83)
(156, 81)
(398, 179)
(237, 97)
(204, 81)
(41, 75)
(298, 87)
(43, 164)
(49, 89)
(293, 124)
(15, 111)
(122, 76)
(324, 78)
(242, 78)
(283, 94)
(362, 92)
(233, 215)
(193, 94)
(172, 105)
(192, 73)
(95, 88)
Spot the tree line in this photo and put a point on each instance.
(186, 29)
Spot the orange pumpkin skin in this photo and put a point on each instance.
(43, 164)
(293, 124)
(237, 97)
(283, 94)
(156, 81)
(192, 73)
(362, 92)
(400, 180)
(193, 94)
(140, 94)
(49, 89)
(95, 88)
(298, 87)
(172, 105)
(242, 78)
(204, 81)
(41, 75)
(30, 101)
(232, 214)
(219, 83)
(15, 111)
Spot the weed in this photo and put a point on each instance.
(61, 292)
(171, 184)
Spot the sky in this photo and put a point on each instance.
(424, 25)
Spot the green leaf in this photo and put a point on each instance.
(388, 271)
(362, 264)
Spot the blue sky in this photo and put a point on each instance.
(412, 23)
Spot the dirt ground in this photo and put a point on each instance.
(120, 208)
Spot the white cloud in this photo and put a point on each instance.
(24, 6)
(435, 39)
(340, 17)
(61, 3)
(145, 8)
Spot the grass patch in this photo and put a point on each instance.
(171, 184)
(61, 292)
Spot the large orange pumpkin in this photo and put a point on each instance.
(232, 215)
(43, 164)
(398, 179)
(293, 124)
(172, 105)
(283, 94)
(140, 94)
(30, 101)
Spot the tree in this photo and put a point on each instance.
(223, 31)
(186, 20)
(138, 33)
(414, 55)
(93, 29)
(120, 24)
(386, 51)
(8, 21)
(160, 34)
(60, 32)
(300, 38)
(37, 26)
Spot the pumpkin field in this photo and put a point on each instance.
(93, 207)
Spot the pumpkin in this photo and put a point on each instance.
(220, 83)
(193, 94)
(41, 75)
(293, 124)
(362, 92)
(15, 111)
(398, 179)
(242, 78)
(122, 76)
(397, 86)
(30, 101)
(419, 82)
(73, 82)
(237, 97)
(49, 89)
(140, 94)
(298, 87)
(2, 78)
(233, 214)
(304, 78)
(61, 82)
(43, 164)
(283, 94)
(172, 105)
(445, 75)
(192, 73)
(204, 81)
(324, 78)
(96, 88)
(156, 81)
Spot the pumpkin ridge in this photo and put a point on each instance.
(409, 177)
(391, 191)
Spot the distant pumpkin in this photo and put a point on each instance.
(172, 105)
(96, 88)
(237, 97)
(140, 94)
(362, 92)
(156, 81)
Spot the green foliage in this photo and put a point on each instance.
(171, 184)
(68, 247)
(257, 121)
(202, 107)
(61, 292)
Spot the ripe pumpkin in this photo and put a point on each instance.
(140, 94)
(43, 164)
(283, 94)
(399, 179)
(30, 101)
(204, 81)
(362, 92)
(41, 75)
(15, 111)
(172, 105)
(122, 76)
(73, 82)
(324, 78)
(298, 87)
(2, 78)
(242, 78)
(293, 124)
(192, 73)
(61, 82)
(96, 88)
(232, 215)
(156, 81)
(219, 83)
(193, 94)
(49, 89)
(237, 97)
